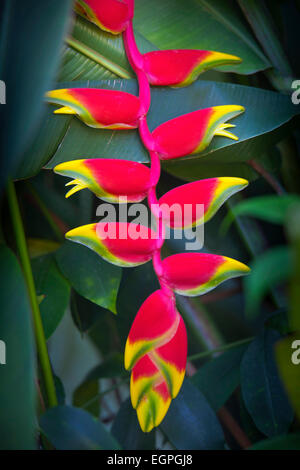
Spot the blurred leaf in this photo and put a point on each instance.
(268, 270)
(191, 423)
(286, 442)
(17, 376)
(286, 350)
(56, 289)
(258, 128)
(262, 389)
(270, 208)
(89, 274)
(218, 378)
(293, 229)
(85, 313)
(213, 25)
(69, 428)
(85, 396)
(111, 367)
(32, 33)
(127, 431)
(60, 390)
(38, 247)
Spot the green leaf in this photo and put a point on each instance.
(218, 378)
(287, 442)
(50, 283)
(191, 423)
(85, 396)
(127, 431)
(91, 276)
(287, 357)
(93, 54)
(200, 24)
(111, 367)
(39, 246)
(258, 128)
(85, 313)
(69, 428)
(270, 208)
(262, 389)
(17, 374)
(32, 33)
(268, 270)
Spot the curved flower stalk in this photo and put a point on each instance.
(156, 349)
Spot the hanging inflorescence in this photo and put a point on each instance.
(156, 348)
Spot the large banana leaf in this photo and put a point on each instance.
(200, 24)
(63, 138)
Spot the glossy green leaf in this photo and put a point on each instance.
(258, 128)
(190, 423)
(127, 431)
(91, 276)
(200, 24)
(70, 428)
(269, 208)
(93, 54)
(17, 359)
(269, 269)
(51, 284)
(86, 396)
(286, 442)
(262, 389)
(219, 377)
(32, 33)
(288, 361)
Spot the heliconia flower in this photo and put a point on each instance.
(191, 133)
(110, 15)
(120, 243)
(181, 67)
(193, 274)
(186, 200)
(156, 352)
(103, 109)
(112, 180)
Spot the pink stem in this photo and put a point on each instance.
(137, 63)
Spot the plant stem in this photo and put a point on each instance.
(37, 320)
(223, 348)
(267, 176)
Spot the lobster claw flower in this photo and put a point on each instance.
(193, 274)
(103, 109)
(196, 203)
(110, 179)
(110, 15)
(182, 67)
(120, 243)
(191, 133)
(155, 352)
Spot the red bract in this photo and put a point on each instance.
(194, 274)
(110, 15)
(111, 180)
(182, 67)
(192, 133)
(107, 109)
(120, 243)
(181, 207)
(156, 351)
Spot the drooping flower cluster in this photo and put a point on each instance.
(156, 348)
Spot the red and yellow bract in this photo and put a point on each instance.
(181, 67)
(104, 109)
(110, 179)
(110, 15)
